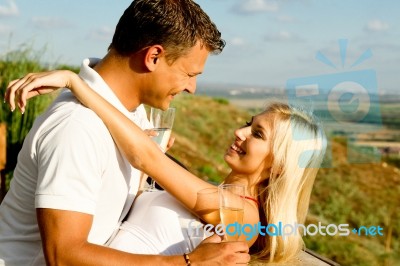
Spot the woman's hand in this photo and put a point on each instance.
(33, 84)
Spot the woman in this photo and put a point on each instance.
(276, 156)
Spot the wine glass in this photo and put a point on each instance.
(231, 207)
(162, 122)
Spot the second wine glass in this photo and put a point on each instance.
(231, 206)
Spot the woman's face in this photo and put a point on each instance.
(251, 151)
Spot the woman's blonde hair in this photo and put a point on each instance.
(298, 146)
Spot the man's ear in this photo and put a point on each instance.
(152, 56)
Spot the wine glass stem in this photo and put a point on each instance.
(153, 184)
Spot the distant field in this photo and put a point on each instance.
(389, 111)
(252, 104)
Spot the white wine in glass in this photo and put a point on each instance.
(162, 137)
(231, 199)
(162, 122)
(231, 216)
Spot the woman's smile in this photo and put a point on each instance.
(237, 149)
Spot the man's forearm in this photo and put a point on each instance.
(64, 238)
(91, 254)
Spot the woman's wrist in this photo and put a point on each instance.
(187, 259)
(73, 81)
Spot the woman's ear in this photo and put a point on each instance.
(152, 57)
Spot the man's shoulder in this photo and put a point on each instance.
(67, 109)
(66, 116)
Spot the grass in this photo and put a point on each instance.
(14, 65)
(358, 195)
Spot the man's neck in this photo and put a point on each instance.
(116, 72)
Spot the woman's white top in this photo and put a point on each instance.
(158, 224)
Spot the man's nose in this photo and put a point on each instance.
(191, 87)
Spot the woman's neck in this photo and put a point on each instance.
(251, 186)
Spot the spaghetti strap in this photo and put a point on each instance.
(253, 199)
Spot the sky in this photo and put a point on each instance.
(268, 42)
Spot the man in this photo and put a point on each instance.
(72, 186)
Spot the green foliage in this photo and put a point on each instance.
(358, 195)
(67, 67)
(14, 65)
(221, 101)
(391, 115)
(210, 173)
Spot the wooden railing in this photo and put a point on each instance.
(305, 258)
(321, 258)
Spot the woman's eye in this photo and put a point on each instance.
(256, 134)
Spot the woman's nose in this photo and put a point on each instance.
(242, 133)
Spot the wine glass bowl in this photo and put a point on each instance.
(162, 122)
(231, 201)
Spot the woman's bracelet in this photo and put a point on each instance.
(187, 259)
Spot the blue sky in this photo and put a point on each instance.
(268, 42)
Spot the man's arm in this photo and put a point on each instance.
(64, 236)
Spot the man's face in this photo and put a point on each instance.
(170, 80)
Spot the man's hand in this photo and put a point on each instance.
(214, 252)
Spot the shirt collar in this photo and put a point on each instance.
(96, 82)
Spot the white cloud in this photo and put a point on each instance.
(9, 10)
(282, 36)
(376, 25)
(49, 23)
(102, 34)
(237, 41)
(286, 19)
(5, 29)
(255, 6)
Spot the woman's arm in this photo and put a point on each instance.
(141, 152)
